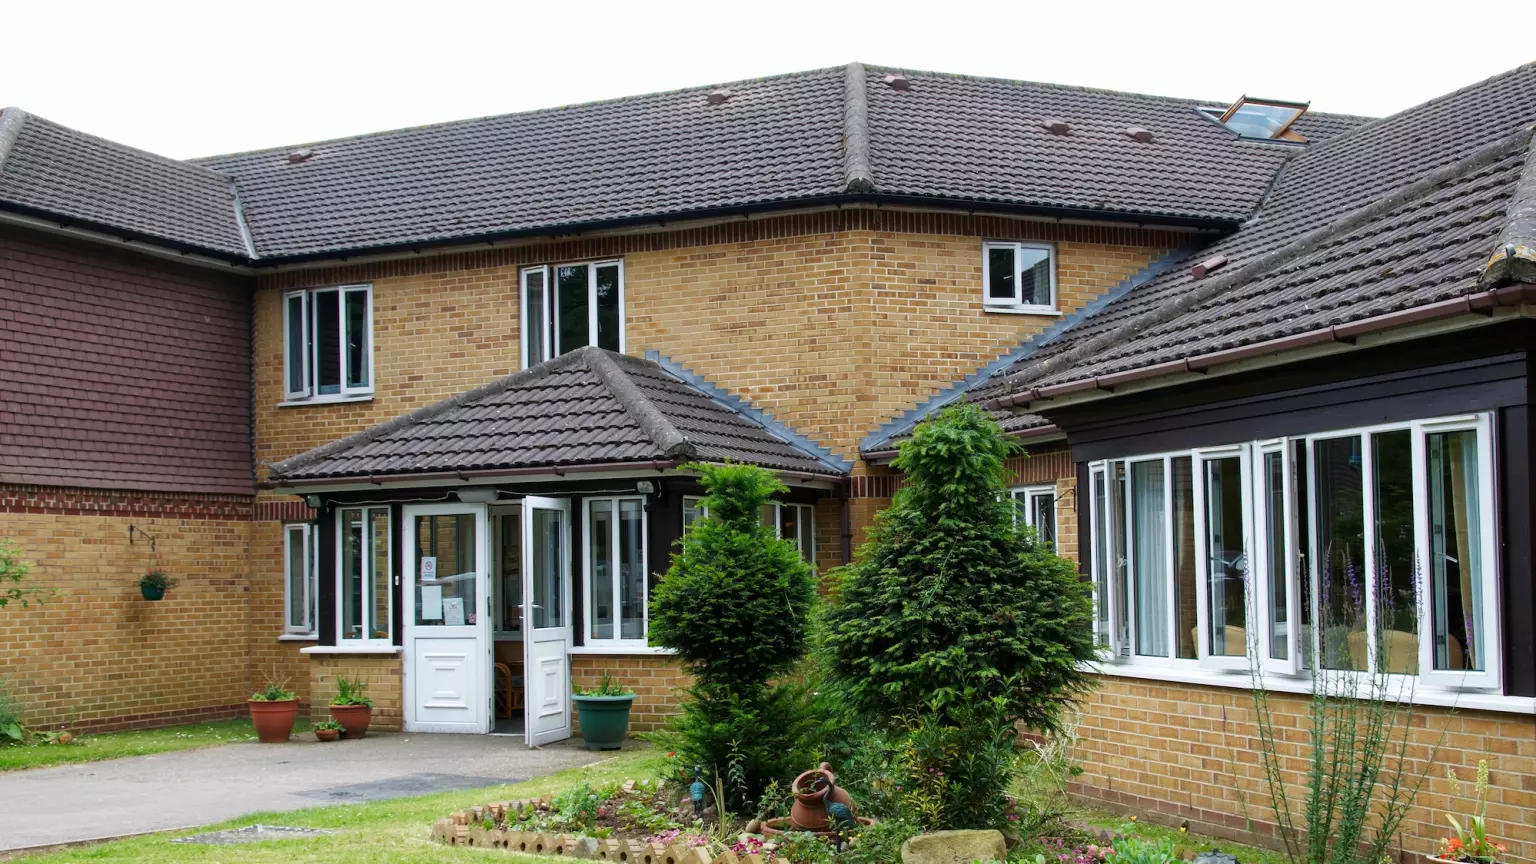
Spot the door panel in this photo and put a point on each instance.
(447, 620)
(546, 595)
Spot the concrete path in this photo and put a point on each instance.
(198, 787)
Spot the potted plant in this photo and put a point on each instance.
(328, 730)
(274, 708)
(1470, 844)
(604, 714)
(351, 706)
(152, 585)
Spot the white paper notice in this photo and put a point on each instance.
(431, 602)
(428, 568)
(453, 612)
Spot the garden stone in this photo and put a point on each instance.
(954, 847)
(583, 847)
(1215, 857)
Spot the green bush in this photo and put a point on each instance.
(11, 729)
(1129, 850)
(734, 606)
(12, 571)
(955, 767)
(950, 593)
(879, 843)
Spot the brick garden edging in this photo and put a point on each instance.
(467, 828)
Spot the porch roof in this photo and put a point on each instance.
(589, 407)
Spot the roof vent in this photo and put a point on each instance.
(897, 82)
(716, 97)
(300, 155)
(1138, 133)
(1056, 127)
(1215, 262)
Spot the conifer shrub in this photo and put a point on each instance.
(956, 623)
(735, 606)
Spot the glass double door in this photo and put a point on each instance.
(475, 579)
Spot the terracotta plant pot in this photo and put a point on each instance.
(809, 812)
(327, 734)
(353, 718)
(274, 720)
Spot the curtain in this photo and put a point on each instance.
(1149, 521)
(1463, 464)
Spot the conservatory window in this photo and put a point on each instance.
(793, 522)
(1037, 509)
(615, 564)
(365, 603)
(1380, 535)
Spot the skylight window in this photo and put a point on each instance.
(1267, 119)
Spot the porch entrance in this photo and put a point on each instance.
(487, 618)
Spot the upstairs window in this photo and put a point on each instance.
(1037, 509)
(570, 306)
(328, 342)
(1018, 277)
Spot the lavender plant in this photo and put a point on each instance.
(1360, 781)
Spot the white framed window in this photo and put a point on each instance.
(1036, 507)
(299, 585)
(615, 570)
(1365, 550)
(569, 306)
(328, 343)
(1018, 277)
(365, 601)
(693, 511)
(795, 522)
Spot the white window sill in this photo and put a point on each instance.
(1476, 700)
(1022, 310)
(298, 637)
(620, 650)
(326, 400)
(351, 649)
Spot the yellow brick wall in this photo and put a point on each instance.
(1170, 752)
(98, 656)
(380, 671)
(657, 681)
(272, 657)
(834, 323)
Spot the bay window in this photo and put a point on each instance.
(569, 306)
(328, 343)
(616, 571)
(364, 599)
(299, 594)
(1366, 550)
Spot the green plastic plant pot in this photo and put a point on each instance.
(151, 592)
(604, 720)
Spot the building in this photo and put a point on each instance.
(413, 405)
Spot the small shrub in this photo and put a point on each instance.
(1129, 850)
(330, 725)
(879, 843)
(12, 730)
(956, 766)
(351, 691)
(12, 571)
(803, 847)
(274, 690)
(734, 605)
(608, 686)
(576, 808)
(157, 578)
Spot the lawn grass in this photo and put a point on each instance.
(395, 831)
(112, 745)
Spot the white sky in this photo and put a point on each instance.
(194, 79)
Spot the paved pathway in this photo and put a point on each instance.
(199, 787)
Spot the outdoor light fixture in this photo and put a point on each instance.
(645, 487)
(313, 501)
(478, 494)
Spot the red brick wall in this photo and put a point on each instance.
(121, 370)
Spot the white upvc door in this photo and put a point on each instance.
(546, 619)
(447, 618)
